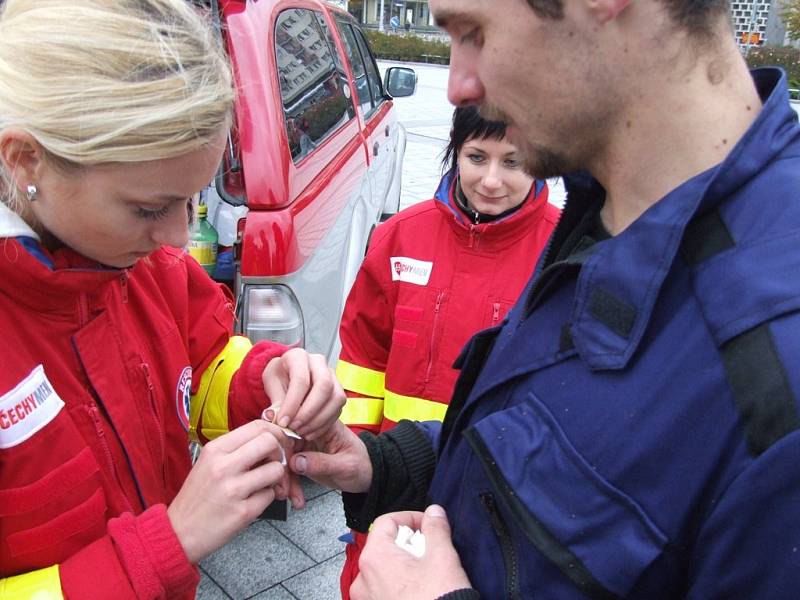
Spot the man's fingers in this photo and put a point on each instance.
(435, 526)
(388, 524)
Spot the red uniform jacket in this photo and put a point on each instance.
(430, 280)
(94, 387)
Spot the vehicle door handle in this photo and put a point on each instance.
(386, 131)
(375, 149)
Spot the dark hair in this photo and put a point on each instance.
(696, 17)
(469, 124)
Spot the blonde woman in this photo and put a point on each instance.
(115, 344)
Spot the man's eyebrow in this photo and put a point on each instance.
(445, 17)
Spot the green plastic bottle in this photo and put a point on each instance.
(203, 241)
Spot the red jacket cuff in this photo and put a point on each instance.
(152, 555)
(246, 396)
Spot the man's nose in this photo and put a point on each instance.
(464, 87)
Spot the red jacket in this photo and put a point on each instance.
(96, 373)
(430, 280)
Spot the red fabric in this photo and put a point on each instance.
(413, 333)
(114, 344)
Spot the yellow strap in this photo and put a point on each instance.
(362, 411)
(44, 584)
(211, 399)
(360, 379)
(396, 407)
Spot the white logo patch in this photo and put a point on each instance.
(410, 270)
(27, 408)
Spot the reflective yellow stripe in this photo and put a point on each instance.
(396, 407)
(211, 399)
(360, 379)
(44, 584)
(362, 411)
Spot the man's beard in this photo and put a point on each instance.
(540, 161)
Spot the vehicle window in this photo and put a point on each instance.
(373, 75)
(357, 64)
(312, 80)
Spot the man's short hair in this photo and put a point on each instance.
(696, 17)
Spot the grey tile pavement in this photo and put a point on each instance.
(301, 559)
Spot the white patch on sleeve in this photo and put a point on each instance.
(410, 270)
(31, 405)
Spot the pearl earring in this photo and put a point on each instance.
(31, 192)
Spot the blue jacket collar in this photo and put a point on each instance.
(627, 272)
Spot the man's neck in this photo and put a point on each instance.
(684, 123)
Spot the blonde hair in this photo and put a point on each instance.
(99, 81)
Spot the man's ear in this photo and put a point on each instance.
(22, 156)
(607, 10)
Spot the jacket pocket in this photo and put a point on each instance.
(597, 536)
(51, 497)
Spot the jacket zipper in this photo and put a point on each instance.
(436, 309)
(123, 282)
(473, 233)
(161, 437)
(495, 312)
(94, 413)
(507, 548)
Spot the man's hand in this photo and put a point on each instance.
(336, 459)
(304, 391)
(388, 572)
(229, 486)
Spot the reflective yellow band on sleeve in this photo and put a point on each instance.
(397, 407)
(360, 379)
(362, 411)
(211, 399)
(44, 584)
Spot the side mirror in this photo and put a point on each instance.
(400, 82)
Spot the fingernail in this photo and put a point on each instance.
(300, 464)
(434, 510)
(268, 415)
(284, 422)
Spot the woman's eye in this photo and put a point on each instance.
(153, 215)
(512, 164)
(476, 158)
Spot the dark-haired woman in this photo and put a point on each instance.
(435, 274)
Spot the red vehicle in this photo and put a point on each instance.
(313, 161)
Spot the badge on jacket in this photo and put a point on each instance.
(183, 397)
(26, 409)
(410, 270)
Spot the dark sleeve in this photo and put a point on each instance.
(403, 461)
(462, 594)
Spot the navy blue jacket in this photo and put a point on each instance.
(631, 430)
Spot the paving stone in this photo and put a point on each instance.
(276, 593)
(208, 590)
(312, 489)
(317, 527)
(257, 559)
(315, 584)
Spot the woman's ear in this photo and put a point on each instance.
(22, 156)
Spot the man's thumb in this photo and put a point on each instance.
(435, 525)
(310, 464)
